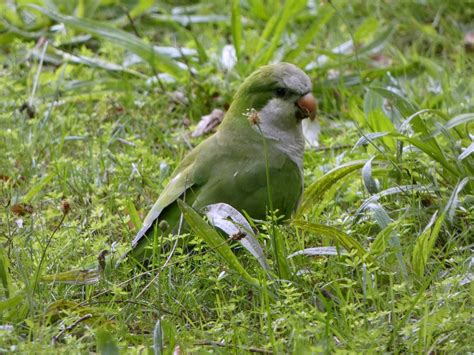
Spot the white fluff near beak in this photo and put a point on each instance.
(311, 130)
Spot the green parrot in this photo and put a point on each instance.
(254, 161)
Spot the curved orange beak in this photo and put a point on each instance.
(307, 106)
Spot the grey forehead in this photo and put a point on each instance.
(295, 79)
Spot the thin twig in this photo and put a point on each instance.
(70, 327)
(243, 348)
(132, 23)
(43, 255)
(35, 82)
(337, 147)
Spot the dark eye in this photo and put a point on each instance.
(280, 92)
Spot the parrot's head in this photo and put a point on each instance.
(276, 97)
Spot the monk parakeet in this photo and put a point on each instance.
(254, 162)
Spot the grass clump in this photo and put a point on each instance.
(94, 119)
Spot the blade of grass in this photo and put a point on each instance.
(4, 273)
(280, 253)
(38, 187)
(134, 217)
(265, 53)
(459, 119)
(232, 222)
(236, 26)
(316, 191)
(337, 235)
(215, 241)
(11, 302)
(425, 243)
(119, 37)
(325, 13)
(141, 7)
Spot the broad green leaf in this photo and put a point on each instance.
(341, 238)
(369, 182)
(11, 302)
(314, 194)
(38, 187)
(215, 241)
(232, 222)
(379, 214)
(5, 273)
(280, 254)
(459, 120)
(406, 124)
(382, 240)
(379, 122)
(404, 189)
(384, 221)
(132, 212)
(267, 31)
(428, 148)
(425, 243)
(22, 33)
(379, 41)
(454, 200)
(467, 152)
(366, 30)
(376, 118)
(407, 109)
(433, 151)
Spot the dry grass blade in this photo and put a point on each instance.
(232, 222)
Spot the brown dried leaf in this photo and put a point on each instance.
(5, 178)
(20, 209)
(381, 60)
(208, 123)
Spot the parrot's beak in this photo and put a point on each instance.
(307, 107)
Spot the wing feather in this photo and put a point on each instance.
(175, 188)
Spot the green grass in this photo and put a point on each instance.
(86, 146)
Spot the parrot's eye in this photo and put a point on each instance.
(280, 92)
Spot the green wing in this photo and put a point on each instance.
(175, 188)
(181, 184)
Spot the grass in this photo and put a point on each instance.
(87, 145)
